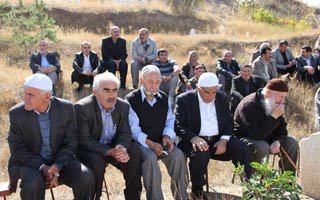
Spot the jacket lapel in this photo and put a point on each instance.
(196, 112)
(97, 112)
(33, 123)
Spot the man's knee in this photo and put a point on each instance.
(291, 144)
(32, 179)
(261, 149)
(134, 151)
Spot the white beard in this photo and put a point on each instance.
(269, 105)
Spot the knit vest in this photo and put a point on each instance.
(152, 119)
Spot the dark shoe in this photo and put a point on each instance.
(198, 193)
(80, 88)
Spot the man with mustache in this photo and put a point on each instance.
(151, 121)
(105, 136)
(259, 117)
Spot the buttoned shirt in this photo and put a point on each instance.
(148, 49)
(109, 128)
(86, 64)
(137, 133)
(44, 61)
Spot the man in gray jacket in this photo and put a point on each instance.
(284, 58)
(264, 66)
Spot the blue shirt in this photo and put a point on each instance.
(137, 133)
(109, 128)
(44, 61)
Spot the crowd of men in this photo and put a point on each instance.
(236, 114)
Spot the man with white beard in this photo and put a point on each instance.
(259, 118)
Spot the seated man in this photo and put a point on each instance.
(264, 66)
(43, 141)
(244, 85)
(169, 73)
(284, 58)
(151, 120)
(114, 55)
(227, 68)
(188, 71)
(46, 63)
(84, 64)
(105, 136)
(257, 52)
(204, 123)
(259, 118)
(198, 70)
(144, 52)
(307, 66)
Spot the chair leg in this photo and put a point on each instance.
(52, 194)
(106, 188)
(207, 180)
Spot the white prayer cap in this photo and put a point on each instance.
(39, 81)
(208, 79)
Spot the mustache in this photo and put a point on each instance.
(111, 100)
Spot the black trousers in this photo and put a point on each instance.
(81, 78)
(75, 175)
(123, 69)
(131, 171)
(237, 151)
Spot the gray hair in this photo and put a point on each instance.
(85, 42)
(106, 76)
(149, 69)
(144, 29)
(192, 53)
(227, 52)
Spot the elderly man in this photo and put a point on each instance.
(284, 58)
(307, 66)
(169, 73)
(43, 141)
(151, 121)
(227, 68)
(259, 118)
(264, 66)
(46, 63)
(105, 136)
(144, 52)
(204, 123)
(114, 55)
(84, 64)
(243, 85)
(188, 71)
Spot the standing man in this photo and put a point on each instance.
(114, 55)
(284, 58)
(46, 63)
(105, 136)
(307, 66)
(84, 64)
(169, 74)
(144, 52)
(243, 85)
(259, 117)
(43, 141)
(264, 66)
(227, 68)
(152, 123)
(204, 123)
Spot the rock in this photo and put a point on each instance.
(309, 165)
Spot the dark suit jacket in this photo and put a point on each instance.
(188, 121)
(303, 75)
(79, 60)
(25, 137)
(117, 51)
(222, 68)
(53, 59)
(89, 121)
(238, 86)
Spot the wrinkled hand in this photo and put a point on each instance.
(119, 153)
(277, 111)
(117, 63)
(156, 147)
(164, 78)
(310, 70)
(44, 70)
(166, 141)
(51, 175)
(199, 143)
(275, 147)
(221, 147)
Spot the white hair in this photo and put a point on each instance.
(106, 76)
(85, 42)
(149, 69)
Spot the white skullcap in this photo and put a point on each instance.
(208, 79)
(39, 81)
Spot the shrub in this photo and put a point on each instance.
(184, 7)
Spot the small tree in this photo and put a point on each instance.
(268, 184)
(184, 7)
(30, 24)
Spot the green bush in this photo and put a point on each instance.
(268, 184)
(184, 7)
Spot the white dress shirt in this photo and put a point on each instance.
(86, 64)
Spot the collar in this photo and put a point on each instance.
(103, 110)
(143, 95)
(46, 110)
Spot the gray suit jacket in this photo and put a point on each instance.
(25, 138)
(258, 69)
(89, 121)
(276, 55)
